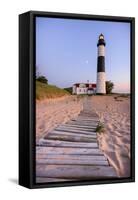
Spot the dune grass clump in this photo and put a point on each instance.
(49, 91)
(100, 127)
(124, 96)
(117, 98)
(121, 97)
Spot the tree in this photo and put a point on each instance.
(42, 79)
(109, 87)
(69, 89)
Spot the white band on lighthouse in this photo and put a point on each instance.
(101, 50)
(101, 83)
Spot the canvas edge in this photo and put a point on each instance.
(29, 181)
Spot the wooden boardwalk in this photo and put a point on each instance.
(71, 152)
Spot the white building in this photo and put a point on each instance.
(84, 88)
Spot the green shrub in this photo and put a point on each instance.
(42, 79)
(69, 89)
(109, 87)
(100, 127)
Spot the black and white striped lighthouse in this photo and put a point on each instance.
(100, 88)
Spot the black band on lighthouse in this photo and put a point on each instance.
(101, 42)
(101, 64)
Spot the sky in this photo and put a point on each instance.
(66, 51)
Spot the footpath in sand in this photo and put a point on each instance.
(71, 152)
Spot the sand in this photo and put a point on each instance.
(52, 112)
(115, 141)
(114, 113)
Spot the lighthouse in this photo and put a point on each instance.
(100, 88)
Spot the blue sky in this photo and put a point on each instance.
(66, 51)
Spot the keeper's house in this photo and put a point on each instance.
(84, 88)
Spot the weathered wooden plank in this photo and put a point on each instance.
(88, 114)
(71, 157)
(71, 161)
(75, 171)
(96, 120)
(58, 143)
(52, 180)
(91, 135)
(74, 131)
(70, 138)
(78, 126)
(88, 124)
(87, 117)
(68, 151)
(83, 119)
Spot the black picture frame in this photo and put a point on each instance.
(27, 97)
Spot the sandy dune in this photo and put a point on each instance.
(51, 113)
(115, 141)
(115, 113)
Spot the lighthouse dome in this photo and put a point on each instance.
(101, 40)
(101, 36)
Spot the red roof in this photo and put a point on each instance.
(77, 84)
(93, 85)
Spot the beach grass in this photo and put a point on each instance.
(45, 91)
(100, 128)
